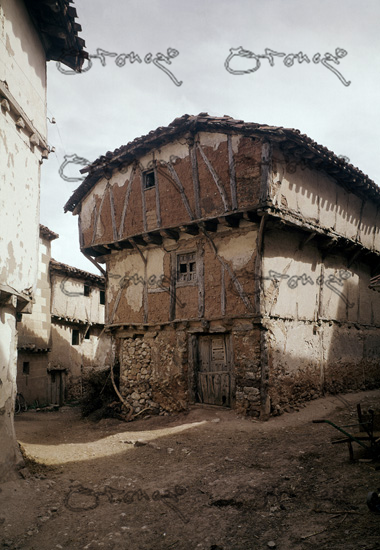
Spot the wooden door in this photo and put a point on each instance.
(57, 387)
(214, 377)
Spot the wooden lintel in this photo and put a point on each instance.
(191, 229)
(153, 238)
(169, 234)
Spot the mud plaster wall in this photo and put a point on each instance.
(318, 198)
(322, 335)
(68, 299)
(33, 386)
(102, 209)
(8, 362)
(153, 371)
(23, 67)
(35, 327)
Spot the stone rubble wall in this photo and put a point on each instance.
(148, 377)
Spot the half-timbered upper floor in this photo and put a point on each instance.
(200, 172)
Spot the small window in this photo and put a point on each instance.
(75, 337)
(186, 268)
(25, 367)
(86, 290)
(87, 334)
(149, 179)
(102, 297)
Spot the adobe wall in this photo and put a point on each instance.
(34, 385)
(68, 299)
(321, 200)
(322, 321)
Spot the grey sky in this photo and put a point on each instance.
(108, 106)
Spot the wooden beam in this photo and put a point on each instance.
(169, 234)
(194, 171)
(174, 180)
(172, 286)
(231, 167)
(354, 257)
(97, 214)
(307, 239)
(126, 200)
(143, 202)
(251, 216)
(99, 249)
(200, 280)
(125, 244)
(158, 207)
(191, 229)
(222, 289)
(153, 238)
(138, 239)
(113, 217)
(209, 225)
(230, 221)
(215, 177)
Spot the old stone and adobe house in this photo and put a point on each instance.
(31, 33)
(79, 342)
(62, 341)
(238, 259)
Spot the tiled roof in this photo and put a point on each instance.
(48, 233)
(289, 139)
(75, 272)
(58, 30)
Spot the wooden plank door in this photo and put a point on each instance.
(214, 379)
(57, 387)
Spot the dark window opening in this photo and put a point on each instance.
(75, 337)
(186, 267)
(149, 179)
(25, 367)
(102, 297)
(87, 289)
(87, 334)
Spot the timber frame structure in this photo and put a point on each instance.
(238, 258)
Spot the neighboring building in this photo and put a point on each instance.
(63, 340)
(238, 260)
(79, 343)
(31, 33)
(34, 331)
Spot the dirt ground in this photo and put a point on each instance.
(206, 480)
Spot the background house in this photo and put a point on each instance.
(62, 340)
(79, 342)
(34, 331)
(238, 261)
(31, 33)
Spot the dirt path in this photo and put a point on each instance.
(207, 480)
